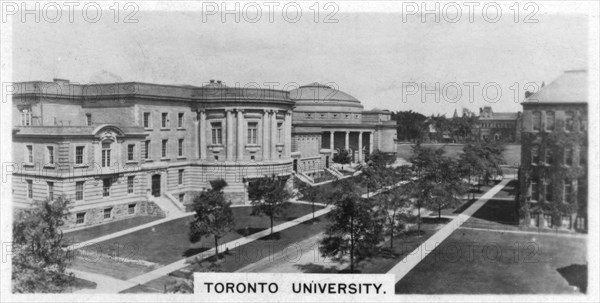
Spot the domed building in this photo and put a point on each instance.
(326, 120)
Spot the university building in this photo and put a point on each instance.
(129, 149)
(498, 126)
(553, 173)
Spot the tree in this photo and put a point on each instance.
(269, 197)
(471, 164)
(449, 187)
(213, 215)
(394, 205)
(39, 260)
(355, 227)
(411, 126)
(342, 157)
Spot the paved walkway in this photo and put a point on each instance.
(104, 283)
(417, 255)
(529, 232)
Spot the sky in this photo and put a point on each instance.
(373, 56)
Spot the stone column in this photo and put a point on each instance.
(331, 142)
(287, 134)
(360, 155)
(203, 135)
(229, 134)
(371, 134)
(265, 144)
(196, 122)
(274, 138)
(240, 134)
(347, 141)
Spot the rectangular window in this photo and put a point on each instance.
(568, 191)
(107, 213)
(164, 120)
(131, 209)
(180, 148)
(180, 177)
(535, 155)
(130, 152)
(50, 154)
(535, 193)
(25, 117)
(51, 191)
(29, 153)
(216, 133)
(146, 120)
(147, 149)
(252, 133)
(548, 220)
(569, 121)
(568, 156)
(549, 156)
(580, 223)
(548, 190)
(130, 183)
(88, 119)
(106, 154)
(79, 191)
(537, 121)
(106, 184)
(533, 219)
(280, 133)
(549, 121)
(180, 120)
(79, 154)
(164, 148)
(565, 222)
(80, 218)
(29, 189)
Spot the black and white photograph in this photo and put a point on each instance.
(307, 151)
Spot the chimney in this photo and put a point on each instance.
(219, 81)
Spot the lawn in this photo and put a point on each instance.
(93, 232)
(484, 262)
(147, 249)
(512, 152)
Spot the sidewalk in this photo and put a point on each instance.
(416, 256)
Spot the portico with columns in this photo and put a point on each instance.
(359, 142)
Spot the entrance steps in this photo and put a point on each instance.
(334, 172)
(167, 205)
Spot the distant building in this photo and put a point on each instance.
(131, 149)
(553, 173)
(499, 126)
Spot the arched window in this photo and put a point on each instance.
(25, 117)
(537, 121)
(549, 121)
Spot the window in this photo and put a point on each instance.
(51, 191)
(537, 121)
(106, 154)
(25, 117)
(146, 120)
(580, 223)
(29, 153)
(79, 154)
(535, 193)
(180, 120)
(164, 120)
(582, 124)
(131, 209)
(164, 148)
(548, 190)
(217, 137)
(106, 184)
(130, 182)
(80, 218)
(568, 156)
(549, 121)
(252, 133)
(565, 222)
(279, 133)
(147, 149)
(180, 148)
(79, 191)
(130, 152)
(107, 213)
(50, 154)
(569, 121)
(568, 191)
(582, 157)
(535, 155)
(180, 177)
(88, 119)
(29, 189)
(533, 219)
(549, 156)
(548, 220)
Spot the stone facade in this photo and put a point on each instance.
(111, 145)
(553, 172)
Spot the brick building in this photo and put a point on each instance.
(125, 149)
(553, 174)
(499, 126)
